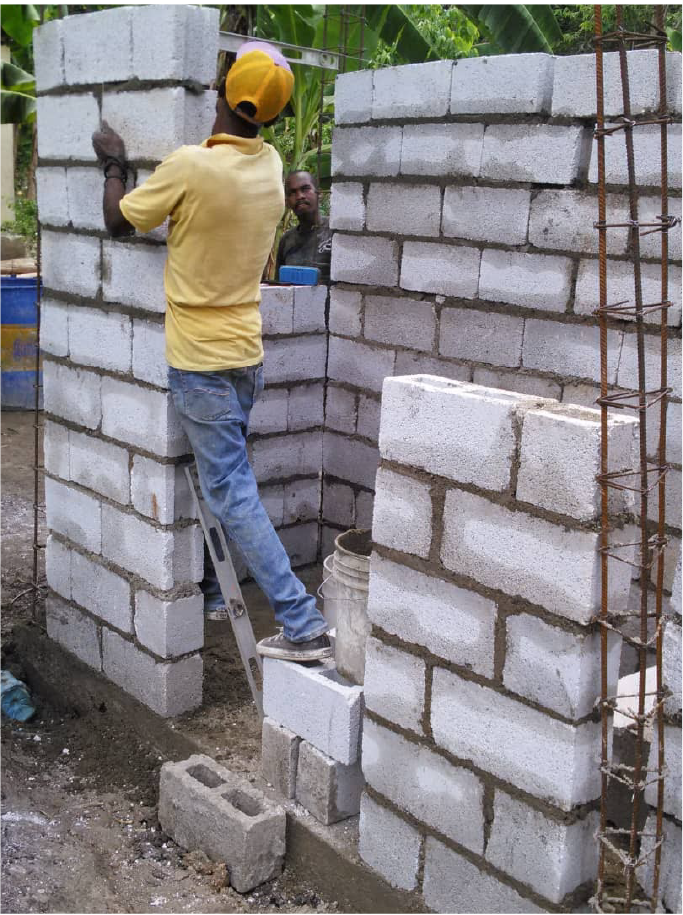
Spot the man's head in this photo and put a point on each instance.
(301, 194)
(259, 83)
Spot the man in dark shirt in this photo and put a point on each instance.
(310, 243)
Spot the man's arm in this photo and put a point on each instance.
(111, 153)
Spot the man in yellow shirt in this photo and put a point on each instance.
(224, 199)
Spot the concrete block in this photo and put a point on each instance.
(365, 366)
(56, 449)
(347, 206)
(670, 869)
(279, 757)
(353, 97)
(92, 39)
(673, 433)
(48, 55)
(157, 121)
(620, 289)
(305, 407)
(206, 806)
(101, 591)
(444, 269)
(368, 417)
(540, 153)
(340, 410)
(58, 566)
(563, 220)
(54, 327)
(316, 704)
(447, 797)
(134, 275)
(72, 394)
(394, 685)
(516, 381)
(100, 466)
(100, 338)
(160, 491)
(346, 308)
(142, 417)
(452, 883)
(676, 596)
(185, 46)
(295, 359)
(367, 260)
(550, 759)
(574, 84)
(74, 514)
(169, 627)
(301, 501)
(80, 112)
(442, 149)
(671, 661)
(326, 787)
(400, 92)
(558, 669)
(530, 280)
(53, 203)
(75, 630)
(451, 429)
(149, 353)
(672, 777)
(364, 505)
(560, 459)
(84, 189)
(402, 517)
(277, 309)
(301, 543)
(366, 151)
(398, 320)
(508, 84)
(338, 504)
(388, 844)
(269, 413)
(627, 376)
(555, 568)
(351, 460)
(169, 689)
(646, 150)
(415, 208)
(649, 209)
(451, 622)
(481, 336)
(492, 214)
(309, 309)
(411, 363)
(71, 263)
(569, 349)
(548, 854)
(287, 456)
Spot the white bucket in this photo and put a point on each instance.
(328, 592)
(351, 572)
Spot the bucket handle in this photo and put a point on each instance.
(324, 582)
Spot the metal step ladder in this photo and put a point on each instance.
(230, 589)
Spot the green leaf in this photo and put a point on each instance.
(14, 77)
(394, 25)
(515, 29)
(16, 107)
(18, 21)
(674, 39)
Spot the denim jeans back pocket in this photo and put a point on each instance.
(208, 399)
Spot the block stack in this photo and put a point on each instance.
(481, 744)
(311, 737)
(463, 203)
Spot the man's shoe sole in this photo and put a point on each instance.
(215, 615)
(289, 654)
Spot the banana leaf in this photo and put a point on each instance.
(18, 21)
(674, 39)
(15, 78)
(516, 28)
(16, 107)
(394, 25)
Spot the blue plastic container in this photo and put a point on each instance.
(19, 340)
(299, 276)
(15, 698)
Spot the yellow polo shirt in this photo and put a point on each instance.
(224, 200)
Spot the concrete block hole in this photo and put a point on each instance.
(247, 805)
(204, 775)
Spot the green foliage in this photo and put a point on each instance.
(515, 28)
(25, 222)
(576, 24)
(17, 95)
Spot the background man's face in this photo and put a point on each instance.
(301, 194)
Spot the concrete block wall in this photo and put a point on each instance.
(463, 201)
(481, 738)
(125, 553)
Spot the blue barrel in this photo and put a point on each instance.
(19, 339)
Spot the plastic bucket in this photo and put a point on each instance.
(351, 572)
(328, 592)
(19, 341)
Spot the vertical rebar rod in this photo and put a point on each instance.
(36, 438)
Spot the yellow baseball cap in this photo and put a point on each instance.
(261, 76)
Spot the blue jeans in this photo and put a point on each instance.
(214, 410)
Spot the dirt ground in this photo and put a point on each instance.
(79, 819)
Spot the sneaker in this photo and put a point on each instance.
(279, 646)
(215, 613)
